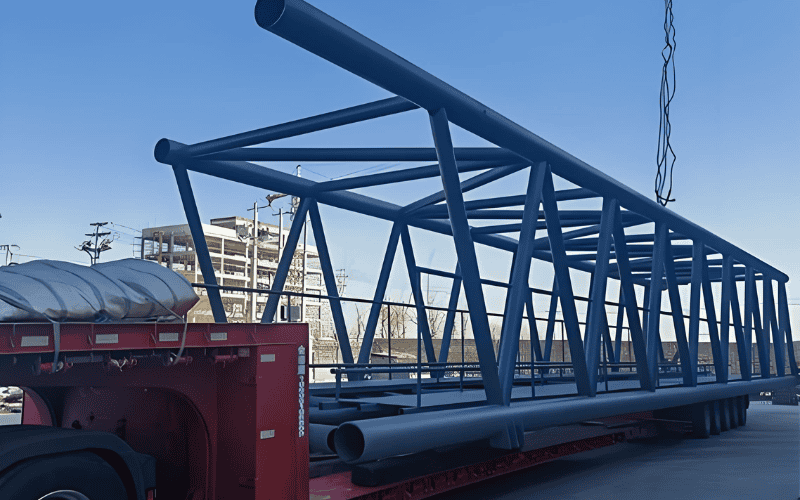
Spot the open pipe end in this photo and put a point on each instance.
(268, 12)
(348, 442)
(162, 150)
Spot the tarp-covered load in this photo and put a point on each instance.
(128, 289)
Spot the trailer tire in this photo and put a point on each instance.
(701, 420)
(71, 476)
(724, 415)
(733, 408)
(713, 407)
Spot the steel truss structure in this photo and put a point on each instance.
(676, 253)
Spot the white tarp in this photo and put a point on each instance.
(128, 289)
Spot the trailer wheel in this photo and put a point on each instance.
(73, 476)
(701, 420)
(724, 415)
(733, 408)
(713, 407)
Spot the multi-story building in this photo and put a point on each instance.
(231, 245)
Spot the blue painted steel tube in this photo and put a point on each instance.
(770, 326)
(468, 185)
(741, 341)
(377, 109)
(423, 327)
(379, 438)
(631, 306)
(519, 288)
(677, 315)
(257, 176)
(653, 322)
(551, 320)
(720, 363)
(533, 329)
(725, 308)
(465, 249)
(380, 293)
(597, 307)
(315, 31)
(406, 174)
(450, 319)
(327, 273)
(748, 309)
(200, 244)
(618, 331)
(504, 201)
(286, 261)
(561, 269)
(762, 338)
(359, 154)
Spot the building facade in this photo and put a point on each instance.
(232, 246)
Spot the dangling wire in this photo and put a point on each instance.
(667, 93)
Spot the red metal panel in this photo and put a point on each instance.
(281, 421)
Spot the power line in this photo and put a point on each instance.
(99, 246)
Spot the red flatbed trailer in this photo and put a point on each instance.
(226, 420)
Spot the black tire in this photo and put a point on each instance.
(701, 420)
(734, 412)
(715, 416)
(724, 415)
(742, 405)
(83, 473)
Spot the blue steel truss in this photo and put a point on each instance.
(678, 253)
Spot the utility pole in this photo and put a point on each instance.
(99, 246)
(9, 252)
(254, 265)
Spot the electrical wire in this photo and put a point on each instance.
(665, 166)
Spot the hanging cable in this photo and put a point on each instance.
(665, 164)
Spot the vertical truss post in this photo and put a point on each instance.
(770, 321)
(534, 331)
(561, 268)
(698, 257)
(677, 314)
(519, 288)
(450, 319)
(656, 286)
(200, 245)
(626, 285)
(597, 294)
(551, 320)
(749, 280)
(285, 263)
(423, 327)
(618, 333)
(646, 309)
(741, 340)
(725, 308)
(786, 327)
(720, 363)
(327, 273)
(762, 335)
(465, 249)
(380, 293)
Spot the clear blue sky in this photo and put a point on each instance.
(86, 90)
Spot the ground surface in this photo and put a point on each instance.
(760, 461)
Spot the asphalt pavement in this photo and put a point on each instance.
(760, 461)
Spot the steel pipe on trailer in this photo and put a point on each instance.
(320, 34)
(369, 440)
(320, 438)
